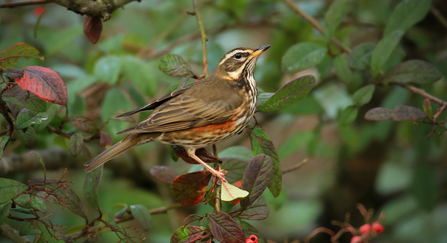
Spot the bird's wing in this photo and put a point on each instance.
(185, 112)
(154, 104)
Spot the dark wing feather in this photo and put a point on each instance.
(185, 112)
(155, 103)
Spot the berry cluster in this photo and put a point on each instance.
(252, 239)
(365, 229)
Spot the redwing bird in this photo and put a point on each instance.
(201, 114)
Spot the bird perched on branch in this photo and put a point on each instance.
(201, 114)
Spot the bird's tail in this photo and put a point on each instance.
(117, 149)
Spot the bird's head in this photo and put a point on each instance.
(238, 61)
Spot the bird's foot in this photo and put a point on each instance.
(220, 174)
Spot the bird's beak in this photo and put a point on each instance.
(259, 51)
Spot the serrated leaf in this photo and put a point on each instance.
(379, 114)
(427, 107)
(360, 56)
(406, 14)
(3, 141)
(224, 228)
(230, 193)
(257, 177)
(27, 118)
(76, 144)
(189, 189)
(12, 54)
(413, 71)
(403, 112)
(29, 229)
(289, 94)
(84, 124)
(175, 65)
(45, 83)
(91, 185)
(164, 173)
(67, 196)
(302, 56)
(107, 69)
(347, 115)
(187, 233)
(342, 69)
(4, 211)
(261, 144)
(258, 210)
(142, 75)
(335, 15)
(142, 216)
(363, 95)
(384, 49)
(10, 189)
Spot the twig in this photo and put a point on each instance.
(317, 25)
(12, 234)
(439, 16)
(295, 167)
(159, 210)
(204, 38)
(24, 3)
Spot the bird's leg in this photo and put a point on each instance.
(219, 174)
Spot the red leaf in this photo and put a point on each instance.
(45, 83)
(201, 153)
(164, 173)
(189, 189)
(105, 140)
(92, 28)
(224, 228)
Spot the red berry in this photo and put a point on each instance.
(252, 239)
(38, 10)
(377, 227)
(356, 239)
(238, 184)
(365, 228)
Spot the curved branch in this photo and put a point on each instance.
(12, 234)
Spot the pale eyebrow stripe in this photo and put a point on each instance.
(230, 54)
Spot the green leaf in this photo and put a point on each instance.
(360, 56)
(294, 143)
(262, 98)
(3, 141)
(91, 185)
(4, 211)
(12, 54)
(413, 71)
(31, 202)
(230, 193)
(113, 101)
(76, 144)
(27, 118)
(224, 228)
(348, 115)
(342, 69)
(51, 112)
(302, 56)
(175, 65)
(384, 49)
(189, 189)
(142, 75)
(29, 229)
(257, 177)
(258, 210)
(142, 216)
(10, 189)
(107, 69)
(309, 105)
(235, 160)
(261, 144)
(251, 230)
(406, 14)
(427, 107)
(425, 186)
(187, 233)
(289, 94)
(335, 15)
(67, 197)
(363, 95)
(24, 99)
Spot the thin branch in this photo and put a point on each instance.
(295, 167)
(429, 96)
(24, 3)
(317, 25)
(12, 234)
(438, 15)
(154, 211)
(204, 38)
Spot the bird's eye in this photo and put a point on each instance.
(238, 55)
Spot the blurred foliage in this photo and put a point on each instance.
(394, 165)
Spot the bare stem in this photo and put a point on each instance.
(204, 38)
(316, 24)
(24, 3)
(439, 16)
(159, 210)
(295, 167)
